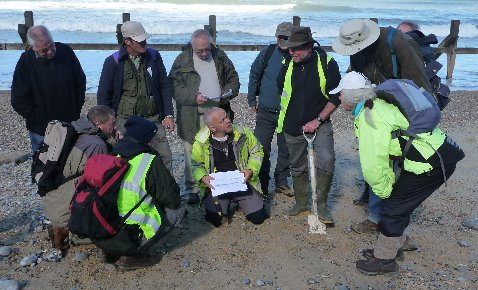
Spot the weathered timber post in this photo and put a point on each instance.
(296, 20)
(23, 28)
(212, 28)
(119, 35)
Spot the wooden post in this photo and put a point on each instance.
(119, 35)
(296, 20)
(451, 55)
(23, 28)
(212, 28)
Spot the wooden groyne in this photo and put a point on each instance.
(448, 45)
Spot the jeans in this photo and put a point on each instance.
(35, 140)
(266, 124)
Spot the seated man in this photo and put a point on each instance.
(95, 128)
(218, 147)
(157, 213)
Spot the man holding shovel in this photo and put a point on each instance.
(306, 108)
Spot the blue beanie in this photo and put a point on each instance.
(140, 129)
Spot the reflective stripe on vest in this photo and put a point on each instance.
(133, 189)
(287, 90)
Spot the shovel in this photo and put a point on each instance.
(315, 225)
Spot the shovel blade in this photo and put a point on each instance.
(315, 225)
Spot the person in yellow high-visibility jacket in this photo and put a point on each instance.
(149, 184)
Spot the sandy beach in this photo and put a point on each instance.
(279, 254)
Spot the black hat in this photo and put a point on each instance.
(140, 129)
(298, 36)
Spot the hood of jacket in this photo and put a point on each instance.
(84, 126)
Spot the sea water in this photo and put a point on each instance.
(238, 22)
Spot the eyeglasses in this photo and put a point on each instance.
(202, 51)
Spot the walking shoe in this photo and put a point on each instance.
(285, 190)
(193, 198)
(366, 226)
(136, 262)
(375, 266)
(102, 256)
(368, 254)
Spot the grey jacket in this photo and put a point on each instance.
(186, 81)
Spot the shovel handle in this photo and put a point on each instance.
(310, 140)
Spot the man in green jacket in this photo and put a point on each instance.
(423, 171)
(221, 147)
(203, 77)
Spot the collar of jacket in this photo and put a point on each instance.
(204, 133)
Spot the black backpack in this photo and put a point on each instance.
(440, 90)
(50, 158)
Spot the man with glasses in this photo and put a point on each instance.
(306, 107)
(203, 77)
(48, 84)
(263, 84)
(134, 81)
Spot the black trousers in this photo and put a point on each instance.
(408, 193)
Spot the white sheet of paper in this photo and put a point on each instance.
(229, 181)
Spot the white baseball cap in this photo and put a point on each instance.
(134, 30)
(352, 80)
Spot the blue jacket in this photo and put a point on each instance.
(111, 81)
(269, 99)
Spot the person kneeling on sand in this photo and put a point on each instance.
(147, 177)
(218, 147)
(96, 129)
(422, 173)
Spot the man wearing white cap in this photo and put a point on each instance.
(375, 122)
(134, 82)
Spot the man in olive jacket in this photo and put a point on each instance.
(203, 77)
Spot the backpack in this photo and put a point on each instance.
(269, 52)
(93, 208)
(440, 90)
(417, 105)
(50, 158)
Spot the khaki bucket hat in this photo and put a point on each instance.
(355, 35)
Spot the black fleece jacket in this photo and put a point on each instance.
(45, 90)
(159, 182)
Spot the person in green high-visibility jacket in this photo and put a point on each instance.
(306, 108)
(424, 171)
(150, 184)
(219, 147)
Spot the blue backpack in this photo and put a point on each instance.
(417, 105)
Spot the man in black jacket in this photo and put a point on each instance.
(48, 84)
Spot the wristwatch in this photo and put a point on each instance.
(319, 118)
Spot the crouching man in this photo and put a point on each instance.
(219, 147)
(148, 184)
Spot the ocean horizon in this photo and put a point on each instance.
(238, 22)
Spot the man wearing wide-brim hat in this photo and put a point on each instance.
(366, 43)
(306, 107)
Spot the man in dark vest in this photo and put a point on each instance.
(134, 82)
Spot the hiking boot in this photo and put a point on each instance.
(375, 266)
(102, 256)
(193, 198)
(368, 254)
(58, 237)
(136, 262)
(366, 226)
(301, 183)
(285, 190)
